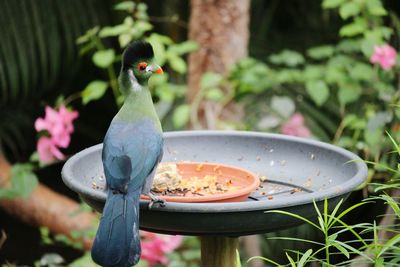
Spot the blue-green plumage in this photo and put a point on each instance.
(132, 149)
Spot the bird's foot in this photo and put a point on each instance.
(154, 200)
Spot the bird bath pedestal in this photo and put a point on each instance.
(295, 172)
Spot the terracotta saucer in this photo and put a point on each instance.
(243, 181)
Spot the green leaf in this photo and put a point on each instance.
(23, 180)
(357, 27)
(113, 30)
(321, 52)
(181, 115)
(373, 137)
(88, 35)
(344, 251)
(51, 259)
(283, 105)
(210, 80)
(313, 72)
(94, 90)
(349, 9)
(349, 45)
(292, 262)
(349, 93)
(304, 258)
(158, 44)
(124, 39)
(177, 63)
(184, 47)
(103, 58)
(376, 8)
(214, 94)
(289, 58)
(125, 5)
(362, 72)
(237, 260)
(332, 3)
(85, 260)
(295, 216)
(318, 91)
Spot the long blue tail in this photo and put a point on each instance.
(117, 242)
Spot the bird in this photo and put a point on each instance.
(132, 149)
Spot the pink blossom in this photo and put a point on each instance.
(385, 56)
(156, 246)
(59, 127)
(295, 126)
(48, 150)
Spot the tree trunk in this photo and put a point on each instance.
(220, 27)
(45, 207)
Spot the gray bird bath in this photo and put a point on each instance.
(296, 171)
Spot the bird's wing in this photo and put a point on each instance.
(130, 152)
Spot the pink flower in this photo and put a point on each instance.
(295, 126)
(155, 247)
(48, 150)
(385, 56)
(58, 125)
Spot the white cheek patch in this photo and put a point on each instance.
(135, 85)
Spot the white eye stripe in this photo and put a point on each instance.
(149, 69)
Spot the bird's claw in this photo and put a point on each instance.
(154, 200)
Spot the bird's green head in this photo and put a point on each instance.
(138, 63)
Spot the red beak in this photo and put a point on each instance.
(159, 70)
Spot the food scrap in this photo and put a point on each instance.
(169, 182)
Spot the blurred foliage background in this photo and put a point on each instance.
(55, 51)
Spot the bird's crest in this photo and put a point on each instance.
(136, 51)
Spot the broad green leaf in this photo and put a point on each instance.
(349, 93)
(88, 35)
(160, 38)
(103, 58)
(376, 8)
(181, 116)
(177, 63)
(125, 5)
(93, 91)
(214, 94)
(159, 43)
(289, 58)
(283, 105)
(362, 72)
(141, 27)
(349, 45)
(349, 9)
(373, 137)
(321, 52)
(23, 180)
(210, 80)
(113, 31)
(124, 39)
(313, 72)
(184, 47)
(359, 26)
(318, 91)
(332, 3)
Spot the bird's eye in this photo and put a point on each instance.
(142, 66)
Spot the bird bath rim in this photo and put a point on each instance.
(282, 202)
